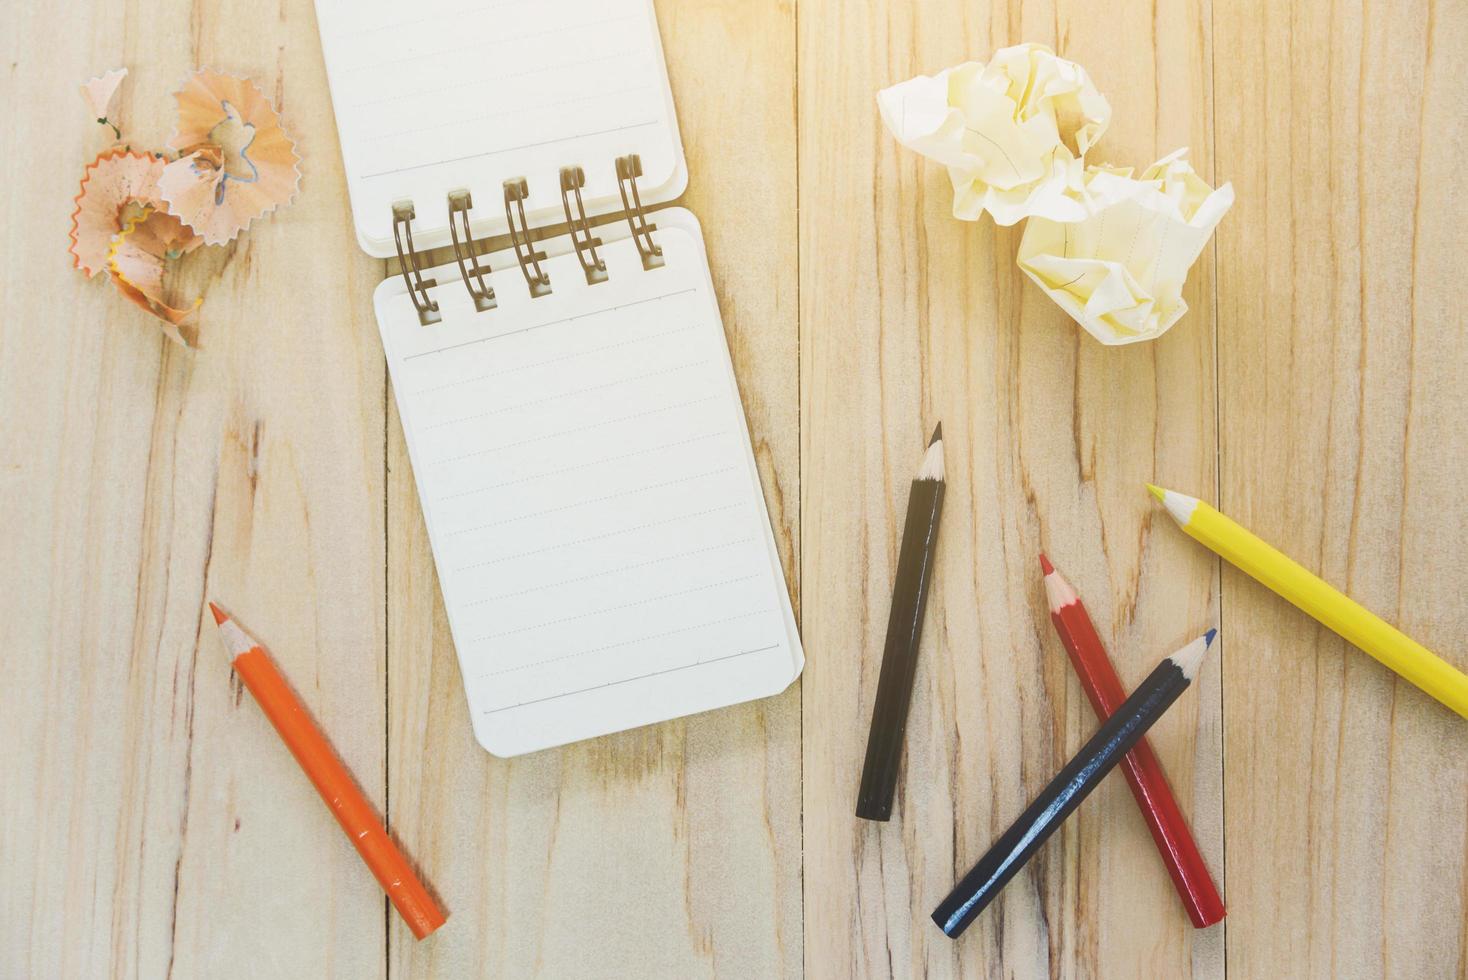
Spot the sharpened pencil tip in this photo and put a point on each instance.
(1157, 492)
(932, 465)
(219, 616)
(1045, 565)
(1190, 657)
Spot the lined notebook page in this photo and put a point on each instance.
(434, 95)
(596, 516)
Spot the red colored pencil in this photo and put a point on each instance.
(1143, 772)
(337, 788)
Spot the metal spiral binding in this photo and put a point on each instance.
(474, 273)
(469, 268)
(402, 227)
(595, 268)
(539, 281)
(629, 168)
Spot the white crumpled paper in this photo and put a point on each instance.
(1120, 272)
(1013, 133)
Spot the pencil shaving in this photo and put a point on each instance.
(137, 213)
(237, 163)
(99, 92)
(1120, 272)
(1013, 133)
(138, 259)
(116, 187)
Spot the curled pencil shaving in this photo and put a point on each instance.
(1120, 273)
(1013, 133)
(99, 92)
(116, 187)
(236, 164)
(137, 214)
(138, 258)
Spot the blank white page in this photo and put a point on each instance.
(436, 95)
(602, 543)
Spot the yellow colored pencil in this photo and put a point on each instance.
(1317, 598)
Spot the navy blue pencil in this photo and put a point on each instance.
(1081, 774)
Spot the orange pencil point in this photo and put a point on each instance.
(219, 615)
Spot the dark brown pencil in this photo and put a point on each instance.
(904, 630)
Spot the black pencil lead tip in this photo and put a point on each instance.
(937, 434)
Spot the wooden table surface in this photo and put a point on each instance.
(151, 825)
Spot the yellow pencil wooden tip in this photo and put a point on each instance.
(1157, 492)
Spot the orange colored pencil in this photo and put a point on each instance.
(331, 779)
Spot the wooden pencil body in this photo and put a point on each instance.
(1057, 800)
(899, 655)
(1143, 771)
(338, 790)
(1329, 606)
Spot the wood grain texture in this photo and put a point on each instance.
(151, 825)
(1048, 439)
(672, 851)
(1342, 356)
(150, 821)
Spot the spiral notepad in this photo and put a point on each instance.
(569, 404)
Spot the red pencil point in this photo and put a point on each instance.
(219, 616)
(1045, 565)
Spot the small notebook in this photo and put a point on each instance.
(569, 403)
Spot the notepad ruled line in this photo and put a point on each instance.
(546, 323)
(481, 7)
(629, 680)
(620, 569)
(627, 643)
(378, 65)
(535, 402)
(571, 432)
(533, 107)
(490, 80)
(554, 360)
(597, 537)
(611, 609)
(581, 466)
(512, 149)
(593, 500)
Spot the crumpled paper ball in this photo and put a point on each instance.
(1120, 272)
(1013, 133)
